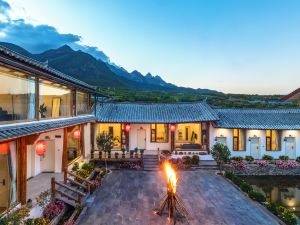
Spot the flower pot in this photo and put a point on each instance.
(109, 155)
(100, 154)
(131, 154)
(116, 155)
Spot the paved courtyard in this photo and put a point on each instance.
(129, 197)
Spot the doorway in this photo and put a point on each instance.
(141, 139)
(48, 160)
(290, 147)
(254, 148)
(4, 183)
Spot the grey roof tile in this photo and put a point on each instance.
(44, 66)
(155, 112)
(11, 131)
(286, 119)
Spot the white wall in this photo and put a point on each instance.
(34, 162)
(149, 145)
(261, 134)
(87, 140)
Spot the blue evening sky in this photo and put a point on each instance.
(236, 46)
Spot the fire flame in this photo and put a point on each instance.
(171, 177)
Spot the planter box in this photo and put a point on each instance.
(267, 170)
(58, 218)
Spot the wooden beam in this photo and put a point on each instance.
(65, 149)
(31, 139)
(37, 94)
(22, 170)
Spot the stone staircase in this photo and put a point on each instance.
(207, 165)
(151, 162)
(71, 191)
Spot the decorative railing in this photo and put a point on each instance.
(116, 155)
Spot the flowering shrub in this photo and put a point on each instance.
(96, 183)
(285, 164)
(178, 163)
(238, 165)
(262, 162)
(53, 209)
(36, 221)
(137, 167)
(69, 222)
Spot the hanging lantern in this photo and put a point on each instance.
(40, 147)
(4, 147)
(173, 127)
(127, 127)
(76, 134)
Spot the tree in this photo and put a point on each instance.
(220, 154)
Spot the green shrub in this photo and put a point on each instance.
(237, 158)
(229, 175)
(83, 173)
(267, 157)
(195, 159)
(246, 187)
(75, 167)
(249, 158)
(283, 213)
(298, 159)
(283, 157)
(257, 196)
(187, 160)
(237, 180)
(88, 167)
(220, 154)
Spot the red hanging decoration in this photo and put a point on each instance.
(4, 147)
(173, 127)
(40, 147)
(76, 134)
(127, 127)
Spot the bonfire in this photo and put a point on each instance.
(171, 202)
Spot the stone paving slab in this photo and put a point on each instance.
(129, 198)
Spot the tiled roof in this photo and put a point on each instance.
(287, 119)
(43, 66)
(155, 112)
(16, 130)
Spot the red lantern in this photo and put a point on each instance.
(76, 134)
(173, 127)
(4, 147)
(40, 147)
(127, 127)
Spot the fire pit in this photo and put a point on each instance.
(171, 201)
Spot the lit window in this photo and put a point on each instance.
(74, 145)
(115, 131)
(159, 133)
(239, 140)
(273, 140)
(82, 103)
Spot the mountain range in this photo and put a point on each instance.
(85, 67)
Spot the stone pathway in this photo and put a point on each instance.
(129, 197)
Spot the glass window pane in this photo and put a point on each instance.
(17, 94)
(115, 130)
(8, 175)
(54, 100)
(82, 103)
(161, 133)
(74, 144)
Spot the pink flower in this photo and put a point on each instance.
(262, 162)
(285, 164)
(238, 165)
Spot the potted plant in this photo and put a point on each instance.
(116, 155)
(43, 110)
(100, 154)
(136, 152)
(142, 152)
(109, 153)
(123, 153)
(131, 154)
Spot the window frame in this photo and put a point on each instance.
(237, 140)
(269, 140)
(155, 133)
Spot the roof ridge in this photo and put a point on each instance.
(43, 65)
